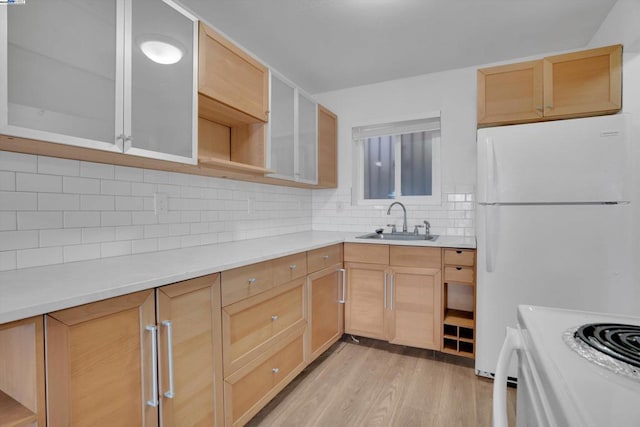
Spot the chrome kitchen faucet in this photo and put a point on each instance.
(404, 224)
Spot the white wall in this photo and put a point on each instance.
(451, 92)
(54, 211)
(622, 25)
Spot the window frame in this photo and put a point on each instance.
(357, 192)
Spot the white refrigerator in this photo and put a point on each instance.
(553, 223)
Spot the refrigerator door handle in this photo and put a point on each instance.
(490, 188)
(490, 229)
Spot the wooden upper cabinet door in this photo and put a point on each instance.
(510, 93)
(327, 148)
(232, 77)
(99, 362)
(415, 307)
(583, 83)
(192, 307)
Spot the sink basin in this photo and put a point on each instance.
(398, 236)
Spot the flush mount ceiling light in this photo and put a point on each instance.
(161, 49)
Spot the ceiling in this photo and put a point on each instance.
(324, 45)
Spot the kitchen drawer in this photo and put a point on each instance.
(458, 274)
(364, 252)
(288, 268)
(465, 257)
(323, 257)
(249, 389)
(244, 282)
(251, 325)
(415, 256)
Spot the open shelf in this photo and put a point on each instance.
(233, 166)
(13, 414)
(459, 318)
(458, 321)
(22, 373)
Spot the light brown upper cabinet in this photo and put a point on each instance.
(327, 148)
(233, 107)
(232, 79)
(564, 86)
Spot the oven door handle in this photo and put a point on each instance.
(512, 342)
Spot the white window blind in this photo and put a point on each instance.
(396, 128)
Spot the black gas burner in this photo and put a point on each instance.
(617, 340)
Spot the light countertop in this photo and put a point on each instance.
(34, 291)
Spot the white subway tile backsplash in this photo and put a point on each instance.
(60, 237)
(80, 185)
(41, 256)
(38, 183)
(30, 220)
(179, 229)
(145, 245)
(97, 203)
(18, 162)
(110, 249)
(129, 203)
(125, 173)
(58, 210)
(155, 177)
(144, 218)
(109, 219)
(56, 166)
(142, 189)
(8, 221)
(8, 260)
(97, 170)
(120, 188)
(7, 181)
(11, 240)
(98, 234)
(190, 216)
(156, 230)
(166, 243)
(58, 202)
(81, 252)
(133, 232)
(81, 219)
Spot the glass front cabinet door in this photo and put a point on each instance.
(293, 132)
(115, 75)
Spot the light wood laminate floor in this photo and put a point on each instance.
(378, 384)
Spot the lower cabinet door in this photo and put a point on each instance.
(190, 353)
(100, 362)
(253, 386)
(366, 301)
(414, 309)
(326, 309)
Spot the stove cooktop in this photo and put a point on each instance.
(620, 341)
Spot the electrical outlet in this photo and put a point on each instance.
(251, 205)
(160, 203)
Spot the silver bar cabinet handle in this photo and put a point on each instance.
(167, 323)
(393, 280)
(292, 266)
(252, 280)
(385, 290)
(344, 285)
(154, 364)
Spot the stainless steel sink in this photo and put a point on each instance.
(398, 236)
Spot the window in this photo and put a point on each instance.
(399, 160)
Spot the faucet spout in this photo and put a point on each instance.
(404, 210)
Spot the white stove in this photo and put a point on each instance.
(561, 382)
